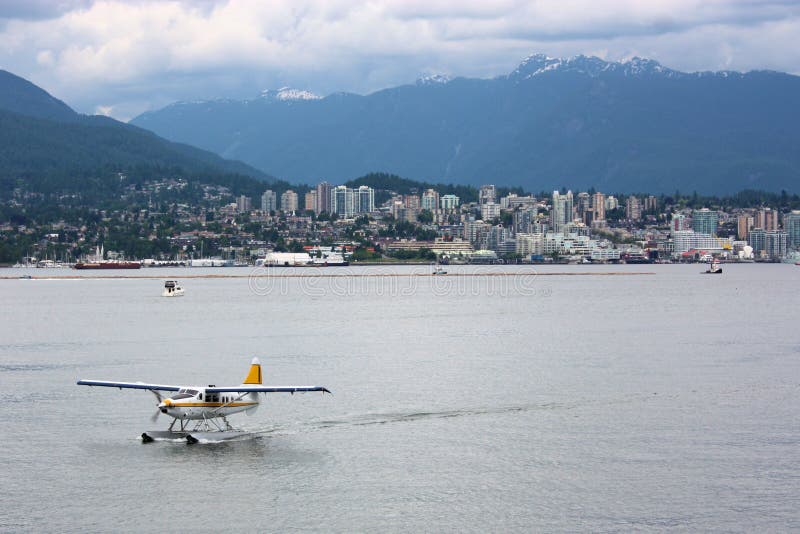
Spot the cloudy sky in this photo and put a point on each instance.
(122, 57)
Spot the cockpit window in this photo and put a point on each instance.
(182, 396)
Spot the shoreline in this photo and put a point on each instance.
(330, 275)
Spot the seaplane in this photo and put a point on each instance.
(200, 413)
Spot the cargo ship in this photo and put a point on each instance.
(97, 262)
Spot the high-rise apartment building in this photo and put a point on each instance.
(289, 201)
(776, 244)
(269, 201)
(430, 200)
(343, 202)
(678, 223)
(744, 223)
(599, 206)
(791, 224)
(324, 190)
(561, 214)
(489, 211)
(365, 199)
(310, 203)
(243, 204)
(486, 194)
(449, 202)
(411, 202)
(633, 208)
(705, 221)
(583, 204)
(767, 219)
(758, 240)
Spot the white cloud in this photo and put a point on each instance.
(141, 54)
(104, 110)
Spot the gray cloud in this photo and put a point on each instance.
(123, 57)
(39, 9)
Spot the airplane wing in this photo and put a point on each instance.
(129, 385)
(266, 389)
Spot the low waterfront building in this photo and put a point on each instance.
(441, 247)
(685, 240)
(604, 254)
(482, 256)
(530, 244)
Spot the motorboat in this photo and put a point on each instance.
(172, 289)
(437, 269)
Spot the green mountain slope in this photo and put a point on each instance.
(44, 143)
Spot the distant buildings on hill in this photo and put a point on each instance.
(589, 226)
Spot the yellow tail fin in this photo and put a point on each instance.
(254, 375)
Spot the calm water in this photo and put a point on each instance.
(557, 403)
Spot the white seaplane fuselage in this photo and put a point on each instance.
(195, 403)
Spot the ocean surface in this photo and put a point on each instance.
(517, 403)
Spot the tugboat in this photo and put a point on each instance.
(714, 268)
(172, 289)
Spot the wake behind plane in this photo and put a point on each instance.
(199, 412)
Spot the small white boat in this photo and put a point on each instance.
(172, 289)
(437, 269)
(715, 268)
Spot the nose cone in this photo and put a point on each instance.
(165, 405)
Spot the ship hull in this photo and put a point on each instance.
(110, 265)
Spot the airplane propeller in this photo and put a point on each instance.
(158, 410)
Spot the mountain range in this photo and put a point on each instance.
(42, 137)
(580, 122)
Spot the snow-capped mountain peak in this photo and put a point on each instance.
(434, 79)
(288, 93)
(538, 64)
